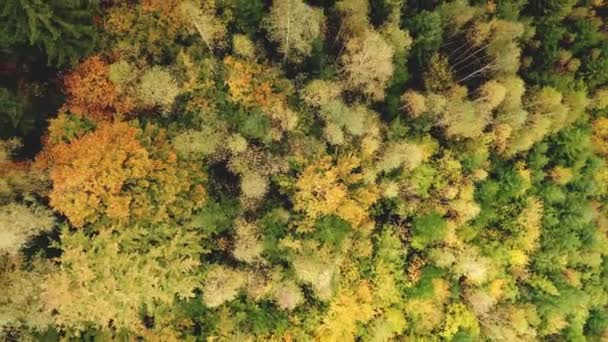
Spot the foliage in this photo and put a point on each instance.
(124, 180)
(64, 29)
(323, 189)
(294, 26)
(428, 229)
(368, 64)
(91, 93)
(119, 277)
(20, 223)
(297, 170)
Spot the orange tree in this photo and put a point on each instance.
(91, 93)
(121, 173)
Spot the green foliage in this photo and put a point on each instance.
(64, 30)
(428, 230)
(331, 230)
(425, 28)
(13, 117)
(248, 15)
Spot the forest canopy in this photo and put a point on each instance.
(304, 170)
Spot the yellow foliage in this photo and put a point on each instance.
(255, 85)
(323, 188)
(349, 307)
(600, 136)
(561, 175)
(414, 103)
(459, 316)
(20, 296)
(110, 277)
(530, 220)
(427, 314)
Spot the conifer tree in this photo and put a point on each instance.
(63, 29)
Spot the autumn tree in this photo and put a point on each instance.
(600, 136)
(124, 273)
(157, 88)
(294, 26)
(92, 94)
(21, 306)
(323, 189)
(367, 64)
(20, 223)
(120, 165)
(202, 18)
(547, 113)
(253, 88)
(221, 284)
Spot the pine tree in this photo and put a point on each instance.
(64, 29)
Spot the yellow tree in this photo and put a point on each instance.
(600, 136)
(328, 188)
(111, 279)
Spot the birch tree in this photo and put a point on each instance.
(294, 26)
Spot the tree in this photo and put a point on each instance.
(20, 223)
(464, 119)
(294, 26)
(211, 30)
(438, 77)
(427, 230)
(63, 29)
(247, 246)
(323, 189)
(243, 46)
(547, 114)
(253, 86)
(414, 103)
(20, 304)
(121, 274)
(91, 93)
(600, 136)
(367, 64)
(125, 179)
(18, 180)
(354, 17)
(346, 310)
(14, 117)
(287, 295)
(157, 88)
(254, 185)
(221, 284)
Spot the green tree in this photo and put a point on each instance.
(428, 230)
(64, 29)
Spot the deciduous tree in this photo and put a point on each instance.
(294, 25)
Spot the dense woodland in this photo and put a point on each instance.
(304, 170)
